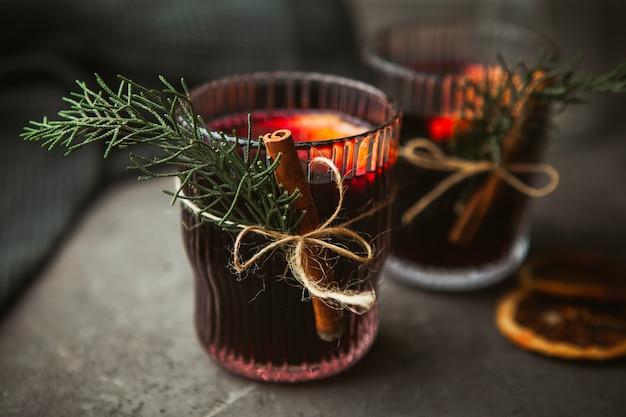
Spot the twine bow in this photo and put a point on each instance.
(423, 153)
(298, 247)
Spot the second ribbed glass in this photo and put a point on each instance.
(424, 64)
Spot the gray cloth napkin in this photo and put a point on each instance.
(48, 44)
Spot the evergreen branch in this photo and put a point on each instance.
(229, 178)
(489, 107)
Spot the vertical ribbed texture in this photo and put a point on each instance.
(425, 64)
(420, 62)
(258, 324)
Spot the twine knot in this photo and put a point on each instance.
(300, 247)
(425, 154)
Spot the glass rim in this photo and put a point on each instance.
(392, 104)
(376, 60)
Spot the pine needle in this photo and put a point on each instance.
(231, 185)
(491, 117)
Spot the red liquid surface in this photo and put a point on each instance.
(258, 324)
(304, 126)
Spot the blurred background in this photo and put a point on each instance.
(47, 45)
(594, 30)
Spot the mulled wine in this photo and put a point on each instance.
(425, 240)
(261, 324)
(305, 126)
(426, 64)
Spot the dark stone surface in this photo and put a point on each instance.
(106, 330)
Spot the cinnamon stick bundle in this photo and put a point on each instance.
(289, 173)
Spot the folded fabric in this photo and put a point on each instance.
(55, 42)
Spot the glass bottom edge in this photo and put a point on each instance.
(286, 373)
(459, 279)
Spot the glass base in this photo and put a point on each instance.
(283, 372)
(459, 279)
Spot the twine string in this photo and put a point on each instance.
(298, 248)
(425, 154)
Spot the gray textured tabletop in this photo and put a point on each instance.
(107, 328)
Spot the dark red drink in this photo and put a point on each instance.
(424, 243)
(261, 324)
(261, 317)
(426, 65)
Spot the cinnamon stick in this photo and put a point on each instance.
(482, 200)
(290, 174)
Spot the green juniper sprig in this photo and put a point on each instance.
(501, 117)
(495, 103)
(229, 178)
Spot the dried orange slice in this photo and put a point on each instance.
(575, 274)
(564, 327)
